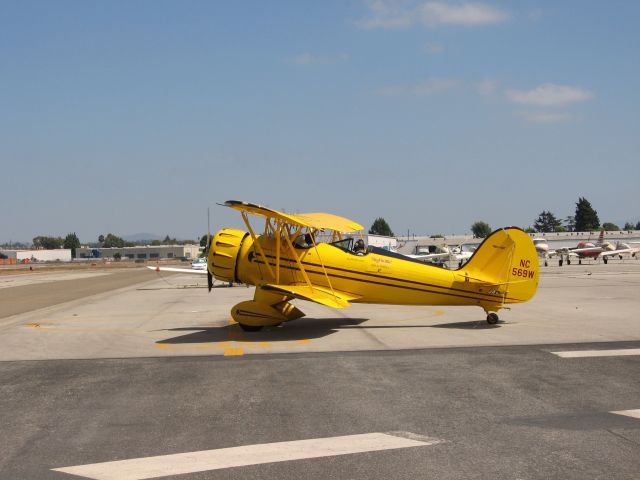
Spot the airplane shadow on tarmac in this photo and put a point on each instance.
(474, 324)
(307, 329)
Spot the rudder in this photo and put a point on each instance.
(508, 259)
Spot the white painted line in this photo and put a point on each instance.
(629, 413)
(598, 353)
(165, 465)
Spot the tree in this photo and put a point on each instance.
(381, 227)
(203, 241)
(638, 226)
(480, 229)
(610, 227)
(586, 217)
(47, 243)
(571, 223)
(547, 222)
(112, 241)
(72, 242)
(629, 226)
(101, 239)
(117, 256)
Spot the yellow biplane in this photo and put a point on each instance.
(288, 260)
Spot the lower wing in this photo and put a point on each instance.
(322, 295)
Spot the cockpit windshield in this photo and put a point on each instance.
(345, 244)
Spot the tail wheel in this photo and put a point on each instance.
(492, 318)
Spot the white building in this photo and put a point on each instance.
(147, 252)
(57, 255)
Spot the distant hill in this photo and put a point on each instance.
(139, 237)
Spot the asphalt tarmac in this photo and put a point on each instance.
(154, 368)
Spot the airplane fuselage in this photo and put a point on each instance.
(374, 277)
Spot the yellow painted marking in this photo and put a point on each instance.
(264, 344)
(306, 341)
(231, 352)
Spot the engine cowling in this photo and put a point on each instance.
(223, 254)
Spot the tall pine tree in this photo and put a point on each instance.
(586, 217)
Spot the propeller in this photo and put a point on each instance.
(209, 239)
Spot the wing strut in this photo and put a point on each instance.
(295, 255)
(324, 270)
(257, 244)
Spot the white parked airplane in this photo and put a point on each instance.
(441, 254)
(585, 250)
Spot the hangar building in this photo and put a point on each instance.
(147, 252)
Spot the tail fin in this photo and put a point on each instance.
(600, 241)
(507, 259)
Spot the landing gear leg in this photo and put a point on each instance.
(492, 318)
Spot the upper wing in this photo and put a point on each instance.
(179, 270)
(320, 295)
(317, 221)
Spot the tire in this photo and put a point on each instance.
(492, 318)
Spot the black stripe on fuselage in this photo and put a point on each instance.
(385, 284)
(489, 296)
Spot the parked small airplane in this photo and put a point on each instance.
(543, 249)
(286, 262)
(600, 249)
(442, 253)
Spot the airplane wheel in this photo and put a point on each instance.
(560, 262)
(546, 264)
(492, 318)
(568, 262)
(580, 262)
(604, 259)
(250, 328)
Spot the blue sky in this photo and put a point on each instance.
(130, 117)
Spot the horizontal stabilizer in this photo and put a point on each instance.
(316, 294)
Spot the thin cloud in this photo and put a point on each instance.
(311, 59)
(404, 14)
(433, 48)
(463, 14)
(549, 95)
(546, 117)
(430, 87)
(486, 87)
